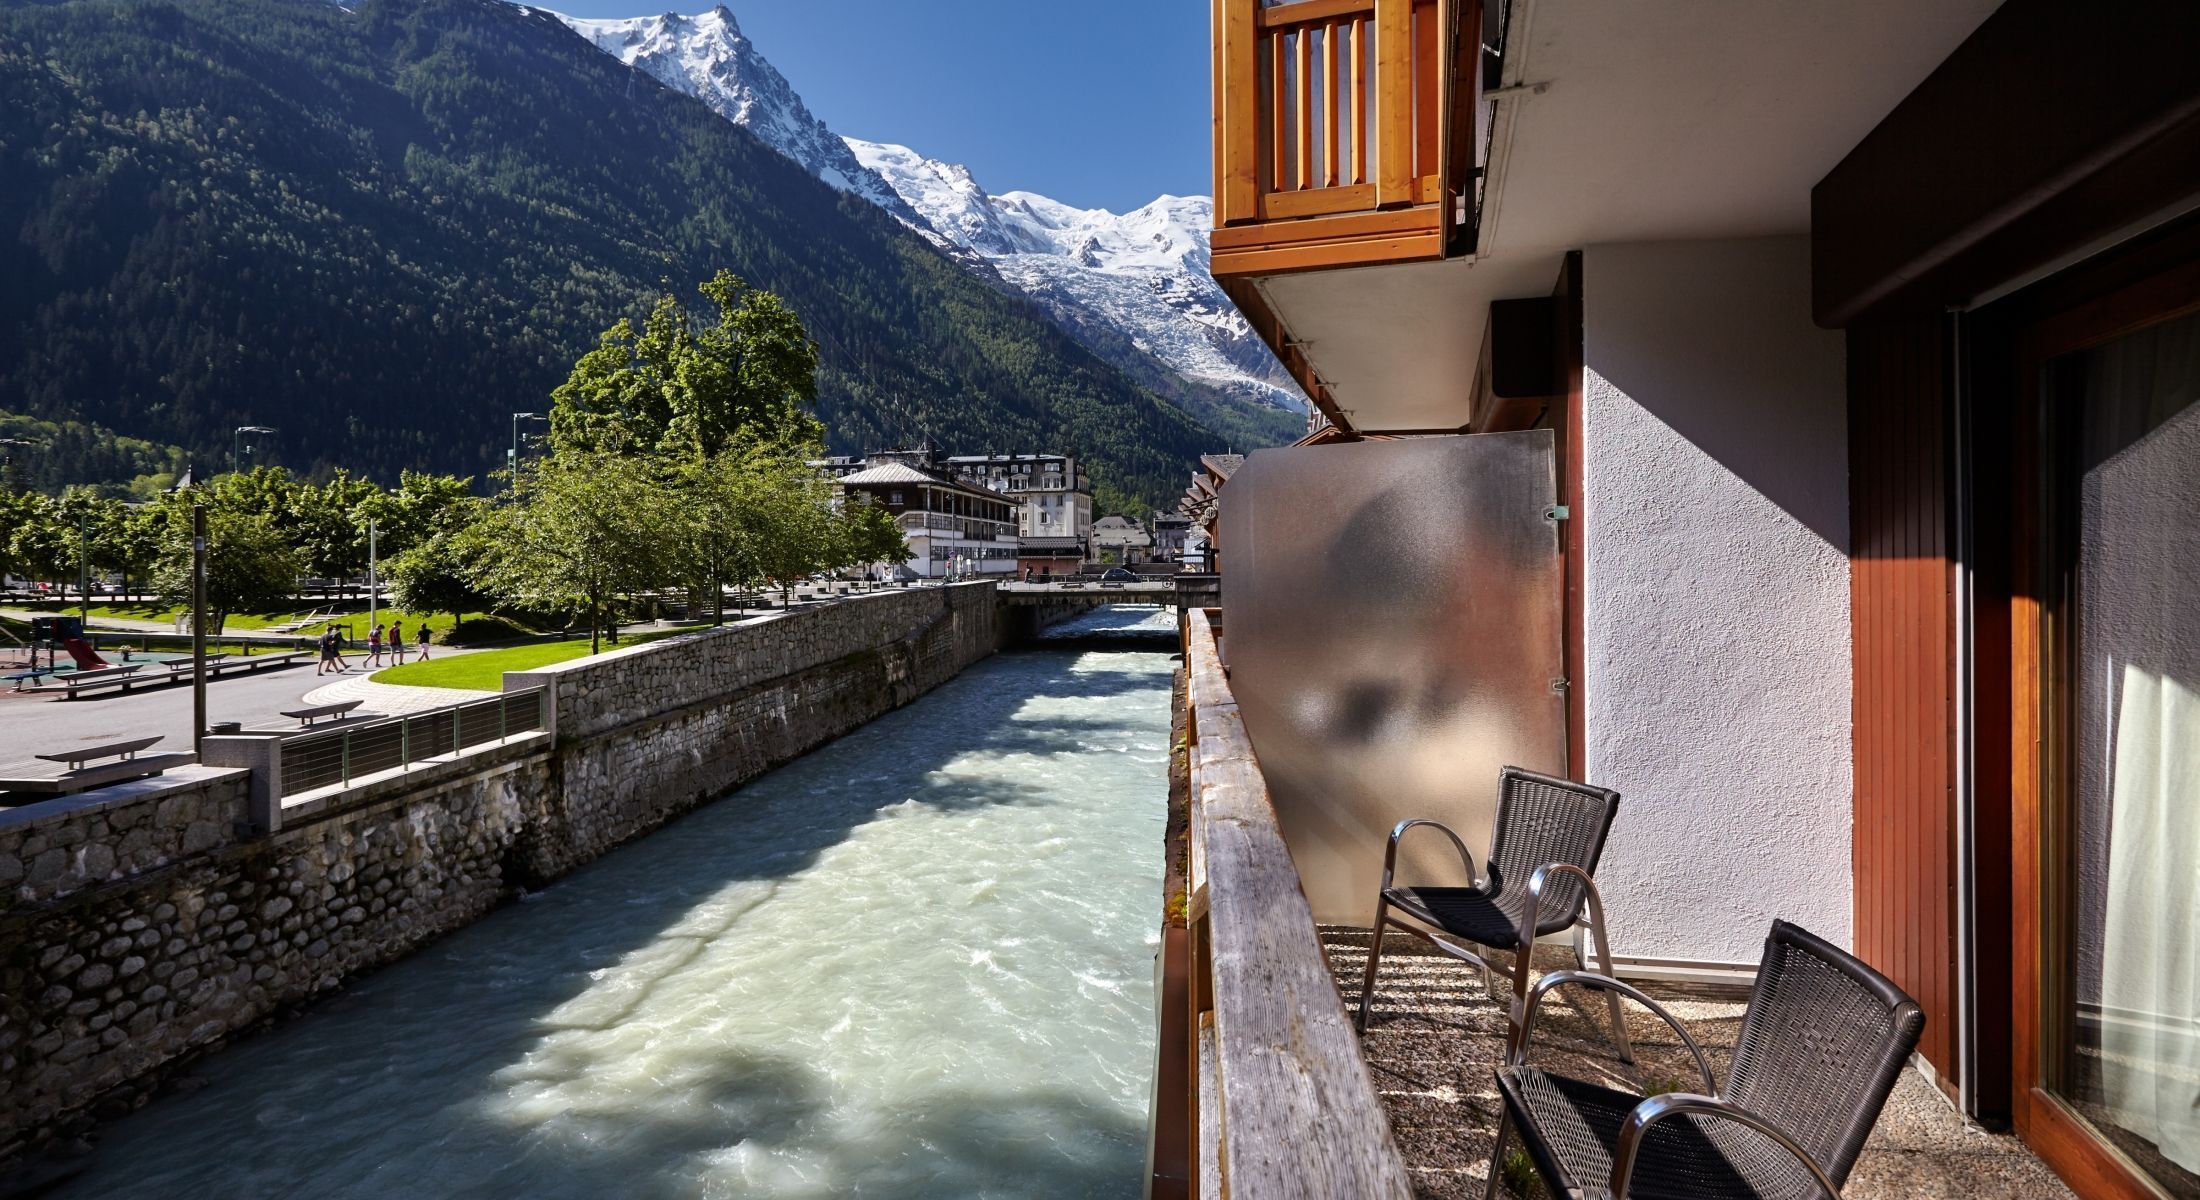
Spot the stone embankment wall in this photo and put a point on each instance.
(144, 924)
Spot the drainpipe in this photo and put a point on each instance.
(1966, 1039)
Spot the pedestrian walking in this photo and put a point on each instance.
(374, 646)
(397, 642)
(424, 641)
(329, 656)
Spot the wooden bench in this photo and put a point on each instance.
(217, 665)
(307, 716)
(76, 681)
(78, 757)
(77, 777)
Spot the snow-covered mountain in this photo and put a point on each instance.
(1142, 273)
(1127, 285)
(708, 57)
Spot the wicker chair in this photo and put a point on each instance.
(1543, 854)
(1821, 1045)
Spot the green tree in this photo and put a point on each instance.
(327, 524)
(678, 386)
(789, 521)
(443, 573)
(43, 545)
(250, 564)
(581, 529)
(873, 535)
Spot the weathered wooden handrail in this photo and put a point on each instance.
(1287, 1107)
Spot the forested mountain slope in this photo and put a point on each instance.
(384, 230)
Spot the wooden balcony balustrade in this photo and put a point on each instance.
(1284, 1104)
(1334, 131)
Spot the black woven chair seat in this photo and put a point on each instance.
(1498, 921)
(1571, 1129)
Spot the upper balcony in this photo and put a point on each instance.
(1338, 126)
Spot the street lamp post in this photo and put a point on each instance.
(83, 571)
(511, 460)
(236, 443)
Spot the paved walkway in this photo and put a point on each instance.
(1435, 1037)
(390, 699)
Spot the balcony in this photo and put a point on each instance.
(1335, 130)
(1265, 1086)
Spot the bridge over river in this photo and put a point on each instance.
(916, 963)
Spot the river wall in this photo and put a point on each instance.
(144, 924)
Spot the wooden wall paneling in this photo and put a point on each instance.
(1903, 722)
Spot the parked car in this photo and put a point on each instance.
(1118, 575)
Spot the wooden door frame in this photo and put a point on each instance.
(2157, 278)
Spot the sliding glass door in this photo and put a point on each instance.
(2119, 1026)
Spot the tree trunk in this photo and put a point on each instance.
(595, 613)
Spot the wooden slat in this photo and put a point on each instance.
(1296, 1110)
(1393, 101)
(1330, 102)
(1391, 223)
(1428, 94)
(1303, 106)
(1279, 109)
(1361, 95)
(1210, 1113)
(1318, 202)
(1312, 12)
(1239, 183)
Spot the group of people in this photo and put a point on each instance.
(381, 640)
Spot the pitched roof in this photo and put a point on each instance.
(893, 472)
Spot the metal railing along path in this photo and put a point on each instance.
(338, 756)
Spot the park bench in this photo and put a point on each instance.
(76, 681)
(31, 677)
(217, 665)
(307, 716)
(76, 776)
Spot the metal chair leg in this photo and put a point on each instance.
(1374, 958)
(1516, 1015)
(1620, 1040)
(1497, 1151)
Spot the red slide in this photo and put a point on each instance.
(86, 657)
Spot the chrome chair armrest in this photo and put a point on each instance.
(1390, 853)
(1558, 979)
(1542, 880)
(1674, 1104)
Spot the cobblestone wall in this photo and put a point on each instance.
(145, 924)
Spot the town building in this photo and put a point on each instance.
(1120, 539)
(1052, 492)
(1169, 533)
(1782, 414)
(953, 529)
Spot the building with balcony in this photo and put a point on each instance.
(953, 529)
(1782, 414)
(1052, 493)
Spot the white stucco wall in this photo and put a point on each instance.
(1716, 595)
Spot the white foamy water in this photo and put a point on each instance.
(917, 963)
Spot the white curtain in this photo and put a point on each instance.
(2150, 986)
(2138, 731)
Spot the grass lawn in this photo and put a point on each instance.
(484, 670)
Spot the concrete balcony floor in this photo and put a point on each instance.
(1436, 1036)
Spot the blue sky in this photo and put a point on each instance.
(1095, 104)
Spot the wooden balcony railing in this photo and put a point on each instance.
(1332, 129)
(1285, 1106)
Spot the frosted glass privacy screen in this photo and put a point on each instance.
(1391, 619)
